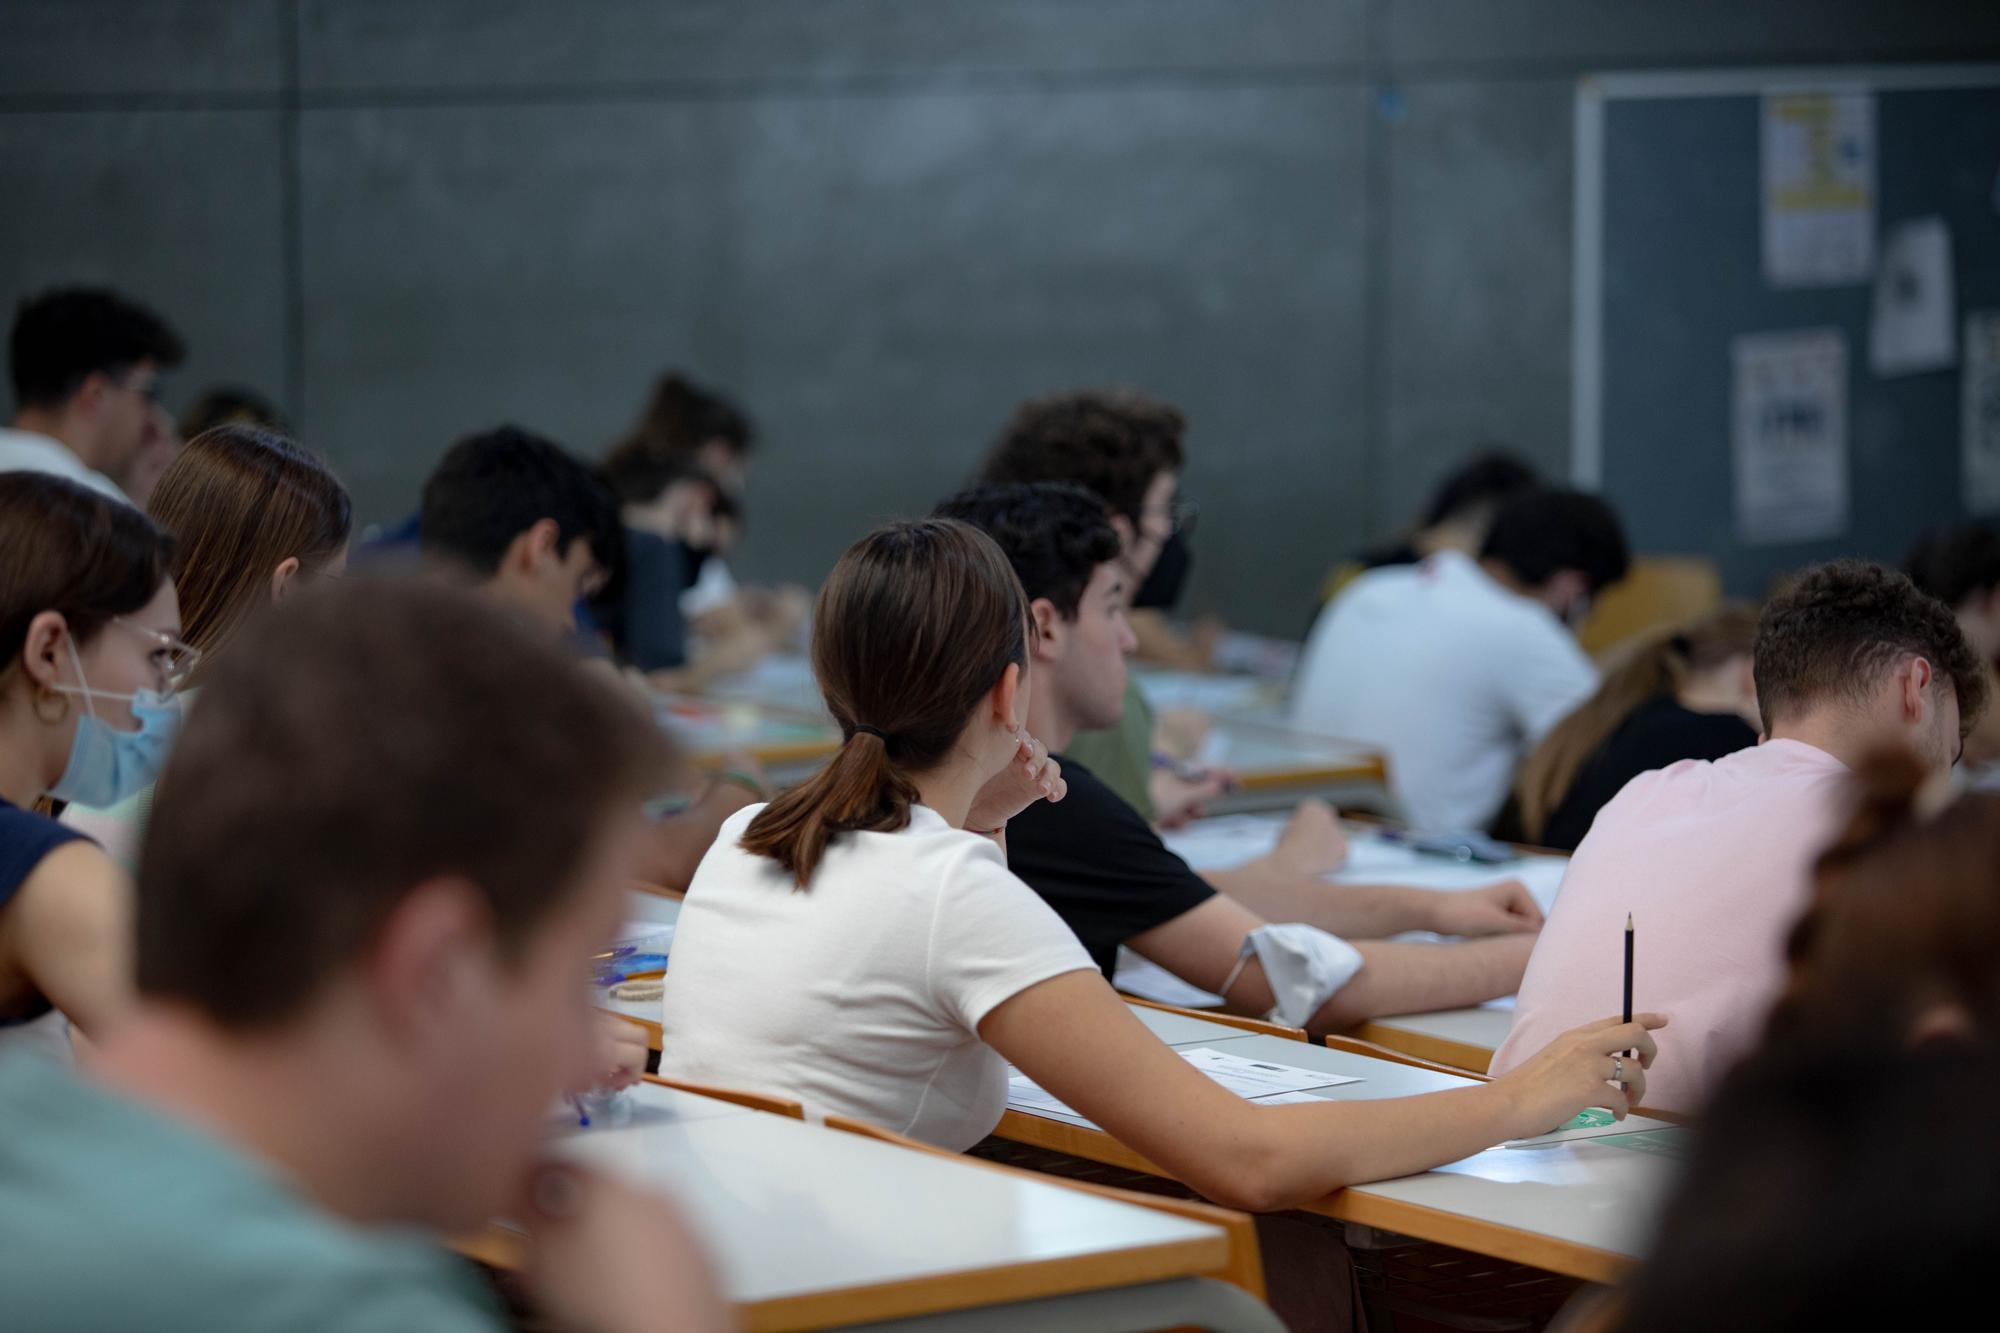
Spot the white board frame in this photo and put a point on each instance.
(1593, 91)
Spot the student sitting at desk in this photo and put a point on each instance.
(1457, 667)
(86, 366)
(90, 656)
(1847, 1175)
(1686, 694)
(859, 944)
(1712, 860)
(692, 443)
(535, 531)
(385, 843)
(1126, 449)
(1460, 514)
(1960, 567)
(1096, 861)
(255, 519)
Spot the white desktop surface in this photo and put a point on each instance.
(789, 1209)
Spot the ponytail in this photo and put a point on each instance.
(916, 623)
(858, 791)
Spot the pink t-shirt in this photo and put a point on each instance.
(1713, 860)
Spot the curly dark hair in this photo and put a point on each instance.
(1832, 634)
(1113, 443)
(1055, 535)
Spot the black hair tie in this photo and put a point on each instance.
(876, 732)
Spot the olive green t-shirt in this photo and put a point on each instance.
(115, 1217)
(1121, 757)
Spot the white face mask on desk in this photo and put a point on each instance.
(1303, 964)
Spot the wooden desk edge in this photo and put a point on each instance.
(1549, 1253)
(1357, 770)
(792, 752)
(1441, 1050)
(934, 1293)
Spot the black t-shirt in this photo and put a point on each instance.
(1659, 732)
(1098, 862)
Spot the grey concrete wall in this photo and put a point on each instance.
(1336, 231)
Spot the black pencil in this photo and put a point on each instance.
(1628, 967)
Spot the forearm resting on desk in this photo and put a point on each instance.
(1353, 911)
(1074, 1037)
(1421, 978)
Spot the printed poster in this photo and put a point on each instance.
(1819, 188)
(1979, 433)
(1912, 330)
(1790, 436)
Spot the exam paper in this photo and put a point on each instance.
(1253, 1080)
(1149, 981)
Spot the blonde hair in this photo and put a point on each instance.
(1658, 665)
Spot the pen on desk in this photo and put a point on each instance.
(582, 1116)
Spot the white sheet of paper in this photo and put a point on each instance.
(1790, 439)
(1252, 1080)
(1258, 1078)
(1912, 330)
(1149, 981)
(1979, 428)
(1819, 188)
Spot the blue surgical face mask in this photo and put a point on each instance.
(107, 765)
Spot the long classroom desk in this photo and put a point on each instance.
(813, 1228)
(1577, 1208)
(1580, 1207)
(787, 743)
(1276, 767)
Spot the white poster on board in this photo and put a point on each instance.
(1819, 188)
(1979, 430)
(1790, 436)
(1912, 330)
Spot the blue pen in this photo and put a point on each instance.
(622, 969)
(582, 1116)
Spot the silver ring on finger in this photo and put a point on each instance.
(1618, 1070)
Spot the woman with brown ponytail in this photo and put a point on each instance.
(859, 944)
(1681, 695)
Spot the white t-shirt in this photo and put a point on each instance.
(862, 994)
(1454, 676)
(25, 451)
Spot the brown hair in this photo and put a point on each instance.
(1905, 915)
(375, 736)
(916, 623)
(67, 548)
(1112, 443)
(681, 416)
(1833, 632)
(242, 500)
(1659, 665)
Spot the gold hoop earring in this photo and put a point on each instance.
(44, 696)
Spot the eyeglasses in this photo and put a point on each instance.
(173, 659)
